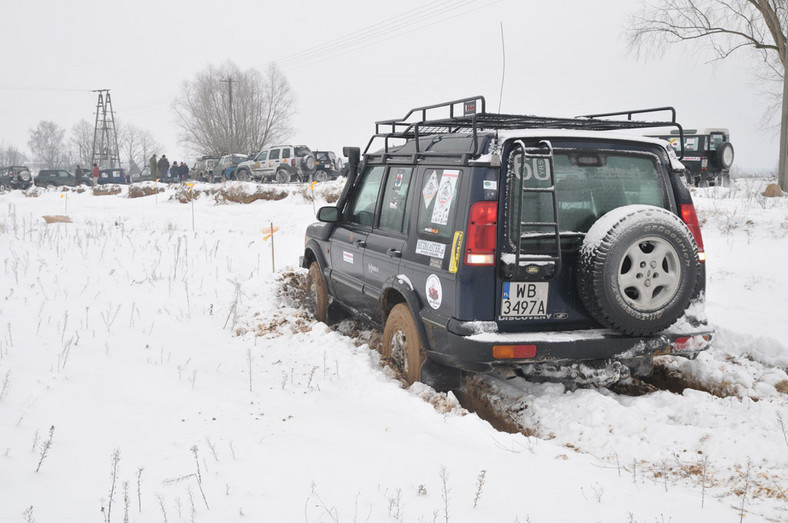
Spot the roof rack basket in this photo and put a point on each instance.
(469, 115)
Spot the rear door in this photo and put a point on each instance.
(589, 180)
(273, 162)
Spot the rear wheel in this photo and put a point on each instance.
(282, 176)
(321, 176)
(402, 345)
(243, 175)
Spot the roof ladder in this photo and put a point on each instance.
(538, 178)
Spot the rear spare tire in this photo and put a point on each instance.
(723, 156)
(637, 270)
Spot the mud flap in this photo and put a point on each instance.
(440, 377)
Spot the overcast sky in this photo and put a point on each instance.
(563, 58)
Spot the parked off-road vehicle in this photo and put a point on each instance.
(60, 178)
(203, 167)
(327, 166)
(15, 177)
(280, 164)
(548, 247)
(707, 155)
(225, 169)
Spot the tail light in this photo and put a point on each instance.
(704, 164)
(691, 219)
(482, 234)
(514, 352)
(293, 162)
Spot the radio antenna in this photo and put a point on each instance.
(503, 69)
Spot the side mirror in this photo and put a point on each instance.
(328, 214)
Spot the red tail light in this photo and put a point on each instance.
(691, 219)
(292, 162)
(482, 234)
(514, 352)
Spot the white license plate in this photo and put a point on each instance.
(524, 299)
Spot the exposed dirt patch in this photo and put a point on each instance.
(476, 396)
(139, 191)
(58, 218)
(106, 190)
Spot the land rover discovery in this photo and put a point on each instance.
(546, 247)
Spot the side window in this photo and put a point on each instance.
(285, 153)
(62, 174)
(438, 203)
(274, 154)
(395, 196)
(262, 156)
(362, 208)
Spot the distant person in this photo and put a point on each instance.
(153, 166)
(174, 173)
(78, 174)
(95, 175)
(163, 166)
(183, 171)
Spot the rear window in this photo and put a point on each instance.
(588, 185)
(439, 190)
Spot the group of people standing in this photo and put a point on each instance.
(163, 169)
(78, 174)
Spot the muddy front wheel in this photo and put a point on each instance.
(317, 292)
(402, 345)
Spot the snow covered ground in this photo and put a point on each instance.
(154, 368)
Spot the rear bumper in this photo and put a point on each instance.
(469, 346)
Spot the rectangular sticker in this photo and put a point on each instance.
(490, 185)
(440, 213)
(431, 249)
(456, 250)
(347, 257)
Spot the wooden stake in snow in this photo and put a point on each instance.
(191, 197)
(269, 233)
(65, 197)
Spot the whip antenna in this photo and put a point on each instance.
(503, 69)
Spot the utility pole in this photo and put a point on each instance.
(229, 83)
(105, 153)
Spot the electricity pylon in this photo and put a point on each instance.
(106, 153)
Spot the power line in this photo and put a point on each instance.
(356, 35)
(363, 38)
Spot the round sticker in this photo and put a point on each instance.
(434, 291)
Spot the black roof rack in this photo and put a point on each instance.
(464, 116)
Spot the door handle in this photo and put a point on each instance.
(360, 243)
(394, 253)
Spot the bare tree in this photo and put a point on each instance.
(726, 26)
(81, 142)
(227, 110)
(46, 144)
(136, 146)
(10, 155)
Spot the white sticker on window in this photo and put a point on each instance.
(430, 189)
(431, 249)
(440, 213)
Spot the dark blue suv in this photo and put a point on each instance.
(541, 246)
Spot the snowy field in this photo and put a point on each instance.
(155, 368)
